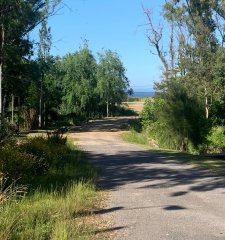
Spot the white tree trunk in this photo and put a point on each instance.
(206, 104)
(107, 108)
(40, 118)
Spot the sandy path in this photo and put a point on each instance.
(153, 196)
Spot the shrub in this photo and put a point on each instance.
(149, 112)
(39, 148)
(46, 150)
(56, 137)
(216, 139)
(7, 131)
(15, 164)
(33, 157)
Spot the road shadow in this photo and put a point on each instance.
(159, 169)
(104, 125)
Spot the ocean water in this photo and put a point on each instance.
(143, 94)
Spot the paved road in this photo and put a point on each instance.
(153, 196)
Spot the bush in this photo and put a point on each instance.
(216, 139)
(56, 137)
(17, 165)
(149, 112)
(7, 131)
(31, 158)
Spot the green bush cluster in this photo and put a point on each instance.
(216, 139)
(30, 158)
(180, 125)
(15, 164)
(174, 120)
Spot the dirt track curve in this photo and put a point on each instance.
(152, 195)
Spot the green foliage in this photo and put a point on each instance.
(31, 158)
(112, 83)
(135, 137)
(17, 19)
(79, 83)
(64, 197)
(192, 92)
(18, 165)
(174, 118)
(7, 131)
(149, 112)
(216, 139)
(56, 137)
(136, 125)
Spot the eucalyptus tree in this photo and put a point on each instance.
(43, 59)
(200, 29)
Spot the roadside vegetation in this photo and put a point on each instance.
(47, 190)
(187, 112)
(47, 187)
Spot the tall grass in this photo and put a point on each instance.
(57, 205)
(135, 137)
(50, 215)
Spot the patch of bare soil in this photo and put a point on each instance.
(135, 106)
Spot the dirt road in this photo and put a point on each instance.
(152, 195)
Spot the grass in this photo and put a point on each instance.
(58, 207)
(135, 137)
(50, 215)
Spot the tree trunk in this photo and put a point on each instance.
(206, 108)
(172, 52)
(206, 104)
(1, 71)
(12, 108)
(40, 123)
(107, 107)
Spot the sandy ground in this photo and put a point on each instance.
(136, 106)
(152, 195)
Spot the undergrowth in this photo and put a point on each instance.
(60, 197)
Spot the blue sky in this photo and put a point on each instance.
(109, 24)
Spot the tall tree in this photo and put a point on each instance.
(199, 27)
(113, 84)
(43, 58)
(79, 83)
(17, 18)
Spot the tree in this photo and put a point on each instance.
(79, 84)
(193, 90)
(155, 39)
(112, 82)
(199, 27)
(43, 58)
(17, 18)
